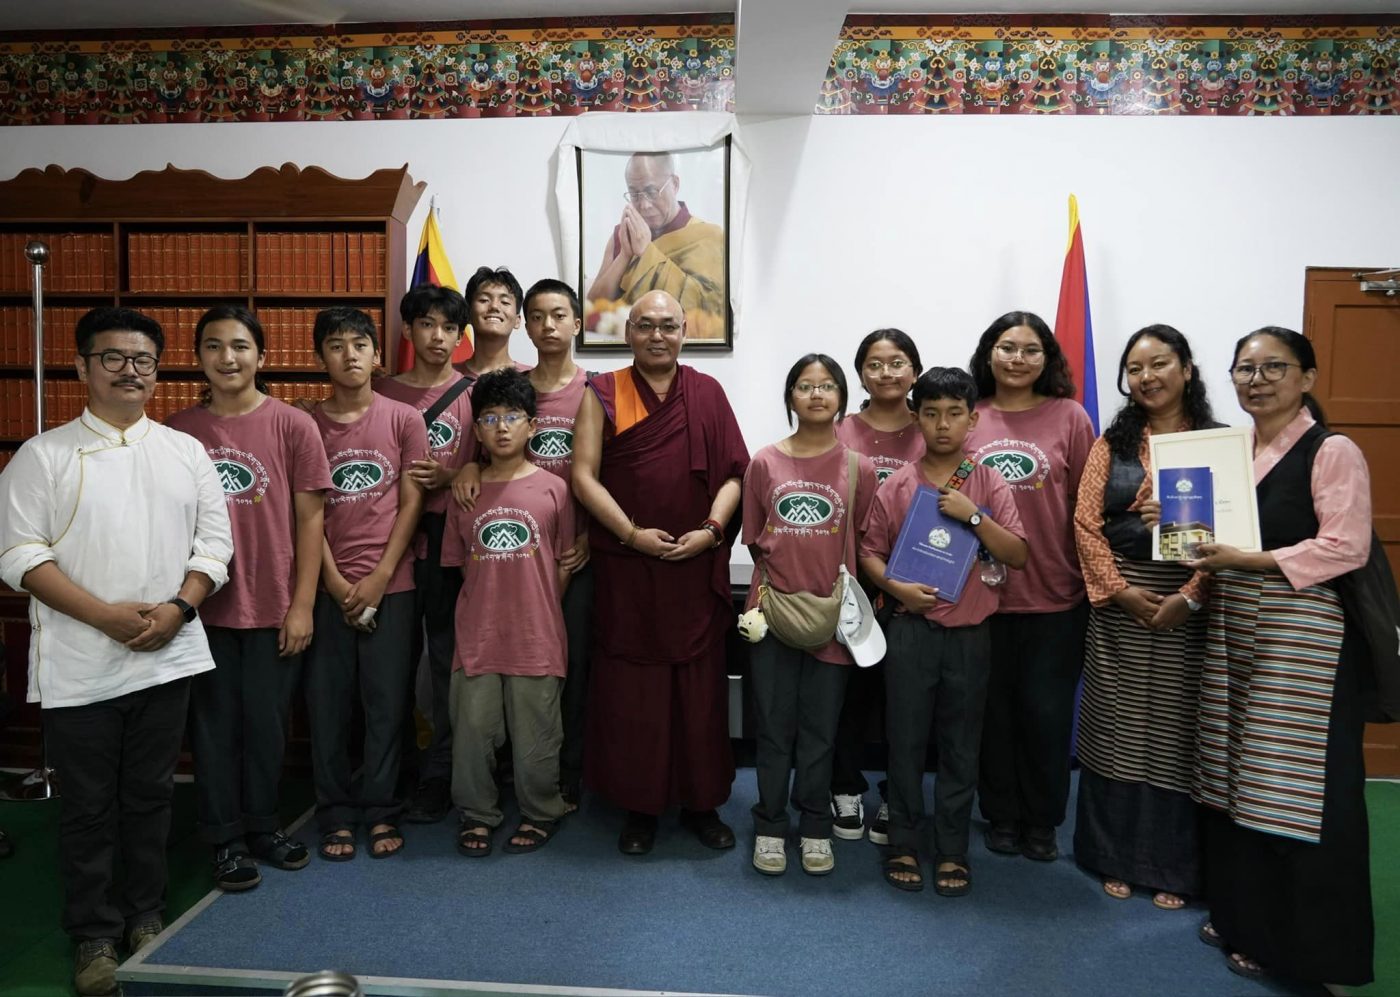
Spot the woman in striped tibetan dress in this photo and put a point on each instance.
(1279, 766)
(1136, 823)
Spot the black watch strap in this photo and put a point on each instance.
(186, 610)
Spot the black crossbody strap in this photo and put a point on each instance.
(448, 397)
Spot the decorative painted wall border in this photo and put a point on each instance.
(1104, 64)
(467, 69)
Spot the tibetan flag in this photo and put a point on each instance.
(430, 266)
(1073, 327)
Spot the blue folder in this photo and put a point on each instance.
(933, 549)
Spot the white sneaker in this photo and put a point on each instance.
(817, 859)
(769, 855)
(848, 817)
(880, 827)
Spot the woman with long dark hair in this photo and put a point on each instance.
(1135, 821)
(274, 470)
(885, 430)
(1033, 431)
(1279, 766)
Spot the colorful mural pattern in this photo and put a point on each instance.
(1114, 65)
(468, 70)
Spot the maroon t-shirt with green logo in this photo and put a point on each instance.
(451, 441)
(795, 514)
(552, 446)
(263, 458)
(509, 617)
(887, 451)
(367, 457)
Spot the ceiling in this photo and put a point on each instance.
(80, 14)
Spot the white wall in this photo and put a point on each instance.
(935, 225)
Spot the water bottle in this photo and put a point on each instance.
(993, 572)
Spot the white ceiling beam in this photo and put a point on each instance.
(783, 52)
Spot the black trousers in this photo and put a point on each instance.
(118, 760)
(1037, 659)
(238, 732)
(578, 626)
(865, 693)
(344, 665)
(797, 701)
(435, 608)
(935, 679)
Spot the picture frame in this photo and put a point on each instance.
(648, 221)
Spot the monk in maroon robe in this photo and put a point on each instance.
(659, 461)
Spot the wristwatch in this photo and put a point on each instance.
(186, 610)
(975, 520)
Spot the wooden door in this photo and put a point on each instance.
(1357, 337)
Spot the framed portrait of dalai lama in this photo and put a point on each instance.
(652, 221)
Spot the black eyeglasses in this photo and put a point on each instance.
(115, 361)
(1270, 370)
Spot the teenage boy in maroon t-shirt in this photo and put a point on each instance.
(434, 319)
(364, 612)
(938, 661)
(552, 320)
(509, 546)
(493, 311)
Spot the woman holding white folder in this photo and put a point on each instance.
(1279, 766)
(1136, 822)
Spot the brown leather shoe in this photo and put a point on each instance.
(638, 835)
(95, 968)
(708, 828)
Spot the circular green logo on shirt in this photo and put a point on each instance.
(356, 475)
(552, 444)
(235, 476)
(504, 535)
(440, 435)
(804, 509)
(881, 473)
(1013, 465)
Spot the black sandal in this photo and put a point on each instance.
(465, 835)
(344, 836)
(538, 833)
(390, 832)
(943, 877)
(278, 850)
(890, 866)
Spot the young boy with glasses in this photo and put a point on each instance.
(509, 547)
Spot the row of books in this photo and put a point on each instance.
(186, 261)
(313, 262)
(286, 335)
(78, 261)
(64, 401)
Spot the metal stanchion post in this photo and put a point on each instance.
(40, 784)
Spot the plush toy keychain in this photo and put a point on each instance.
(752, 626)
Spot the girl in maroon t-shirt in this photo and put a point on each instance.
(799, 529)
(273, 469)
(1033, 431)
(886, 431)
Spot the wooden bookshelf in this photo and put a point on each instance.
(172, 243)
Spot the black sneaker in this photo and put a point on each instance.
(431, 800)
(847, 816)
(1038, 843)
(880, 826)
(278, 850)
(1003, 837)
(234, 869)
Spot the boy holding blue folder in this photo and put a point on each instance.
(936, 667)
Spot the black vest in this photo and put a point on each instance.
(1286, 514)
(1123, 530)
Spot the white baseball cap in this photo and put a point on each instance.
(857, 627)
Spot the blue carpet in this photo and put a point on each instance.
(692, 920)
